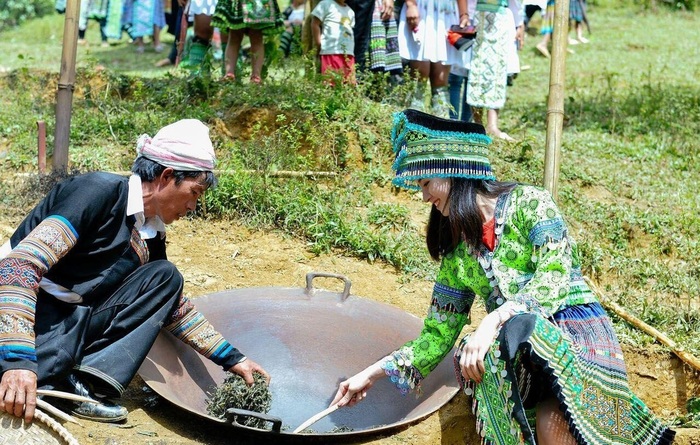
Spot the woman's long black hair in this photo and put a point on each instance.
(465, 220)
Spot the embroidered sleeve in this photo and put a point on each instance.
(548, 288)
(190, 326)
(20, 273)
(448, 314)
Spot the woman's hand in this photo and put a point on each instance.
(412, 15)
(246, 368)
(387, 9)
(464, 20)
(520, 36)
(354, 389)
(471, 361)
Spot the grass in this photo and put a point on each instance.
(629, 174)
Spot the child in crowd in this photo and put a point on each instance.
(144, 18)
(332, 25)
(290, 40)
(257, 18)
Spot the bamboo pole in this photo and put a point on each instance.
(657, 335)
(66, 83)
(555, 100)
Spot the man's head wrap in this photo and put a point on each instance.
(426, 146)
(183, 145)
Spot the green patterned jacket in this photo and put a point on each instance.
(534, 266)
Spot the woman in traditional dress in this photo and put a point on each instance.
(144, 18)
(544, 365)
(423, 26)
(384, 54)
(496, 22)
(256, 18)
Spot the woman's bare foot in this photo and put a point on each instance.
(498, 134)
(542, 48)
(163, 62)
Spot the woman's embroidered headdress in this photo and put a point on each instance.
(426, 146)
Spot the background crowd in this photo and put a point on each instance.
(462, 53)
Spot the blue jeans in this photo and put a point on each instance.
(458, 98)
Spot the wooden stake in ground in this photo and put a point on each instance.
(657, 335)
(66, 83)
(555, 100)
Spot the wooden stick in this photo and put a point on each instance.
(64, 395)
(316, 418)
(657, 335)
(46, 406)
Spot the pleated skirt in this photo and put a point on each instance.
(579, 362)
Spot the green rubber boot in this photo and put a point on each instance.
(196, 59)
(418, 99)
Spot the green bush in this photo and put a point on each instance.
(14, 12)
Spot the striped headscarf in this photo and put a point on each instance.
(426, 146)
(183, 145)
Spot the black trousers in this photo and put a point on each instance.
(363, 10)
(107, 340)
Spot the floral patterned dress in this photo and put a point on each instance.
(560, 342)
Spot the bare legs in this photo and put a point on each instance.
(233, 49)
(257, 53)
(552, 428)
(492, 123)
(542, 47)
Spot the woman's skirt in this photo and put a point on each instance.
(263, 15)
(384, 43)
(579, 362)
(548, 19)
(141, 16)
(429, 42)
(577, 10)
(488, 77)
(199, 7)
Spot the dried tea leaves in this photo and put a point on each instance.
(234, 393)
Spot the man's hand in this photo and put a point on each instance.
(246, 368)
(18, 393)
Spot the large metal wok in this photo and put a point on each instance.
(308, 340)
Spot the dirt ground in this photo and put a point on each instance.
(215, 256)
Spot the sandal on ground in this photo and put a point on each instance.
(229, 77)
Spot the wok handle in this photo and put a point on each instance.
(231, 414)
(311, 275)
